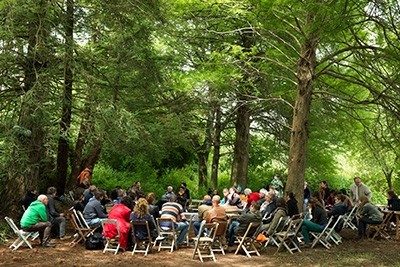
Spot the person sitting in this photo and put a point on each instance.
(281, 211)
(263, 192)
(216, 213)
(89, 193)
(34, 219)
(233, 199)
(153, 209)
(317, 223)
(56, 218)
(79, 200)
(172, 210)
(122, 213)
(165, 198)
(29, 197)
(269, 210)
(239, 226)
(205, 206)
(346, 200)
(368, 213)
(93, 211)
(141, 214)
(251, 197)
(291, 203)
(393, 201)
(225, 194)
(339, 208)
(182, 197)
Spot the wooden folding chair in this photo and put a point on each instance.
(283, 222)
(319, 237)
(220, 240)
(203, 244)
(112, 244)
(141, 245)
(247, 241)
(167, 234)
(380, 229)
(82, 230)
(22, 236)
(287, 237)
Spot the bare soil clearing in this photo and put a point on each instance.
(350, 253)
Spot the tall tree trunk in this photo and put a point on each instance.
(301, 113)
(24, 172)
(63, 141)
(241, 150)
(217, 147)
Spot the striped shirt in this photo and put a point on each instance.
(171, 210)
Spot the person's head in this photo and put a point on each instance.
(127, 201)
(323, 184)
(184, 185)
(182, 189)
(206, 199)
(338, 198)
(169, 189)
(238, 189)
(225, 192)
(79, 196)
(290, 195)
(305, 184)
(52, 191)
(99, 194)
(92, 188)
(254, 206)
(172, 198)
(114, 194)
(141, 208)
(215, 192)
(391, 195)
(32, 191)
(247, 191)
(43, 199)
(363, 200)
(150, 198)
(343, 191)
(276, 176)
(280, 202)
(314, 202)
(268, 197)
(216, 200)
(137, 185)
(263, 192)
(357, 180)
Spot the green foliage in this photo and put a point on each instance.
(5, 232)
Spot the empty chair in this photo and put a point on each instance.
(287, 238)
(82, 230)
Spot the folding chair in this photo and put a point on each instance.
(219, 240)
(287, 237)
(318, 237)
(22, 235)
(112, 244)
(283, 222)
(331, 234)
(81, 227)
(246, 242)
(348, 218)
(204, 243)
(380, 228)
(141, 243)
(167, 234)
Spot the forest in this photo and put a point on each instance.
(211, 93)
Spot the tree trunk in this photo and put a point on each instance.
(301, 113)
(63, 143)
(241, 150)
(217, 147)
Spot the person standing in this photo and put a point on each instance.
(86, 175)
(35, 220)
(358, 189)
(277, 184)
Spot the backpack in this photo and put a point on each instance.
(95, 241)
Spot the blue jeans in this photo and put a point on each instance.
(231, 234)
(182, 228)
(93, 222)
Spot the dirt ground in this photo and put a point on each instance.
(350, 253)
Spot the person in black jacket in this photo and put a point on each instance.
(29, 197)
(291, 203)
(317, 223)
(56, 218)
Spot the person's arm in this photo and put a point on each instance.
(42, 213)
(99, 211)
(52, 208)
(368, 192)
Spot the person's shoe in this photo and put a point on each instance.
(305, 245)
(65, 237)
(48, 245)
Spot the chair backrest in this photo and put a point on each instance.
(136, 226)
(212, 229)
(82, 219)
(283, 222)
(104, 222)
(12, 224)
(222, 228)
(252, 229)
(165, 225)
